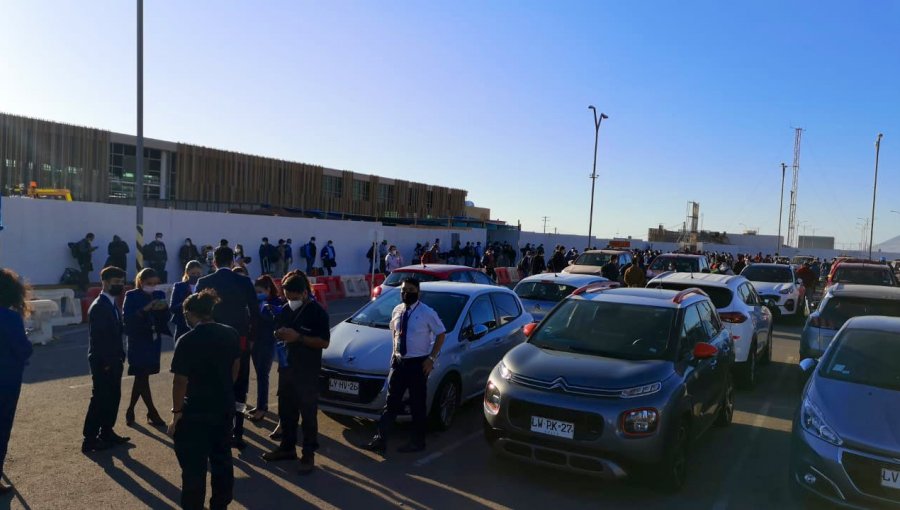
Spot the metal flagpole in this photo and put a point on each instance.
(139, 152)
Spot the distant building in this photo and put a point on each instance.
(815, 242)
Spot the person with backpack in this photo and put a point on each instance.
(308, 252)
(327, 255)
(83, 251)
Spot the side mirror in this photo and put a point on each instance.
(704, 350)
(808, 364)
(478, 331)
(528, 329)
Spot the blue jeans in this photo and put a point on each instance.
(263, 355)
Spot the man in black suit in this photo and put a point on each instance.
(239, 309)
(106, 356)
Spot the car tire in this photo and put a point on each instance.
(747, 370)
(767, 357)
(445, 404)
(671, 474)
(726, 411)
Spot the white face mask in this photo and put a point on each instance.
(295, 304)
(149, 289)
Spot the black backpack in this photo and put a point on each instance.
(73, 249)
(70, 276)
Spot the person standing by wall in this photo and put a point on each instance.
(418, 336)
(117, 252)
(288, 255)
(206, 363)
(83, 251)
(383, 251)
(156, 257)
(193, 270)
(309, 253)
(393, 260)
(327, 256)
(282, 256)
(15, 349)
(106, 357)
(265, 257)
(188, 252)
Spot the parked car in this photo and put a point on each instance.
(679, 262)
(482, 322)
(541, 292)
(845, 447)
(433, 273)
(780, 284)
(799, 260)
(614, 383)
(592, 261)
(741, 309)
(863, 274)
(841, 303)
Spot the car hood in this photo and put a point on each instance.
(584, 369)
(357, 348)
(771, 287)
(597, 270)
(537, 308)
(863, 416)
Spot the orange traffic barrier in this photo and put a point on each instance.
(502, 275)
(379, 279)
(335, 286)
(320, 291)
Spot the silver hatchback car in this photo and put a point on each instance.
(482, 322)
(845, 443)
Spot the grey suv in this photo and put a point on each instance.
(614, 381)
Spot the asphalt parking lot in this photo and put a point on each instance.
(743, 466)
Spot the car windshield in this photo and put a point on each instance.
(681, 264)
(767, 274)
(865, 357)
(396, 278)
(863, 276)
(543, 291)
(800, 260)
(839, 310)
(377, 314)
(720, 296)
(593, 259)
(612, 330)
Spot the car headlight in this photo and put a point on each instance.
(812, 421)
(640, 422)
(785, 291)
(640, 391)
(505, 372)
(491, 399)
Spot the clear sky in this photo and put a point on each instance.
(492, 97)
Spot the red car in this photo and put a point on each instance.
(433, 273)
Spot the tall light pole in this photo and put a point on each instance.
(597, 121)
(780, 207)
(139, 153)
(874, 190)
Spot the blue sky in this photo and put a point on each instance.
(492, 97)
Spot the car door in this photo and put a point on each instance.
(699, 374)
(720, 364)
(476, 360)
(508, 310)
(763, 317)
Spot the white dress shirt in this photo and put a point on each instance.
(423, 326)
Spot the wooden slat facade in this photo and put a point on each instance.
(63, 156)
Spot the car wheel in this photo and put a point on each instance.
(672, 472)
(747, 369)
(726, 411)
(445, 404)
(767, 357)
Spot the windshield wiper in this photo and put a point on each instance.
(552, 347)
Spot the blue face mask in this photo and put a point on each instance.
(262, 296)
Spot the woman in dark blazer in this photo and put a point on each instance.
(15, 349)
(263, 351)
(146, 315)
(193, 270)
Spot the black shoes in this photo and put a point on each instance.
(156, 420)
(129, 417)
(94, 445)
(238, 443)
(376, 445)
(113, 438)
(411, 448)
(5, 489)
(279, 455)
(307, 464)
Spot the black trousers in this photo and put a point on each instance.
(105, 397)
(202, 441)
(241, 387)
(406, 374)
(298, 400)
(9, 398)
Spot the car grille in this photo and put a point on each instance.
(560, 384)
(865, 473)
(773, 297)
(369, 386)
(588, 426)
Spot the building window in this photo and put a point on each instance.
(385, 194)
(333, 186)
(361, 190)
(123, 168)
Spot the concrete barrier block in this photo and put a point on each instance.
(514, 275)
(39, 324)
(69, 308)
(355, 286)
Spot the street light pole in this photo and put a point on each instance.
(597, 121)
(139, 152)
(780, 208)
(874, 190)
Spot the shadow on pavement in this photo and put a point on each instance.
(138, 471)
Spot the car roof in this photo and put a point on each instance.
(864, 265)
(876, 322)
(640, 296)
(770, 264)
(864, 291)
(615, 252)
(434, 268)
(573, 279)
(705, 279)
(680, 255)
(457, 288)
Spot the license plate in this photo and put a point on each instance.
(552, 427)
(890, 478)
(342, 386)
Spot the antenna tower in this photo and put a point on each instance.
(792, 214)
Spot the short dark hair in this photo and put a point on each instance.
(159, 234)
(90, 234)
(202, 303)
(224, 256)
(296, 281)
(413, 281)
(110, 272)
(265, 239)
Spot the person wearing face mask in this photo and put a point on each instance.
(303, 326)
(188, 252)
(106, 356)
(418, 336)
(393, 260)
(238, 308)
(327, 256)
(263, 350)
(205, 365)
(146, 316)
(193, 270)
(156, 257)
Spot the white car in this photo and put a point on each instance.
(541, 292)
(482, 322)
(744, 313)
(779, 283)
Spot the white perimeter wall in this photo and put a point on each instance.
(34, 241)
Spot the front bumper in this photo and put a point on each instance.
(787, 303)
(367, 404)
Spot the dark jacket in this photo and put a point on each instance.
(238, 307)
(155, 254)
(15, 349)
(117, 251)
(610, 271)
(268, 310)
(188, 253)
(144, 330)
(537, 264)
(180, 292)
(558, 262)
(328, 256)
(105, 334)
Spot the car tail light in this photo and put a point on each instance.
(376, 291)
(733, 317)
(491, 399)
(639, 422)
(818, 322)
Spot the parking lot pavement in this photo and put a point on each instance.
(744, 466)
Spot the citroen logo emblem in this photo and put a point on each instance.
(558, 384)
(350, 359)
